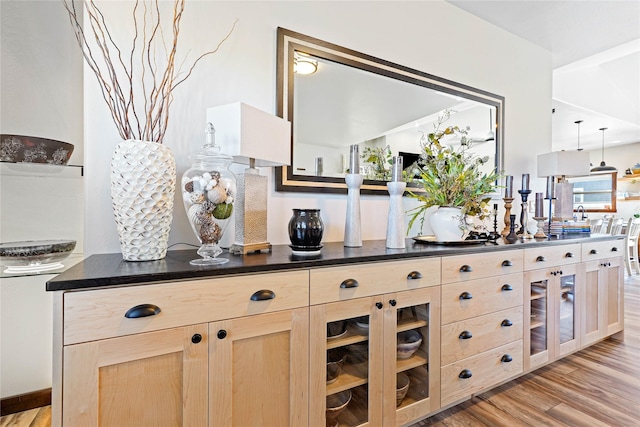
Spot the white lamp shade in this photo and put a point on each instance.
(245, 132)
(563, 163)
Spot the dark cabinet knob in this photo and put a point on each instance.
(507, 263)
(196, 338)
(554, 273)
(540, 259)
(506, 287)
(349, 283)
(263, 295)
(464, 374)
(466, 269)
(466, 295)
(465, 335)
(414, 275)
(222, 334)
(379, 305)
(392, 302)
(142, 310)
(593, 252)
(506, 358)
(568, 255)
(614, 249)
(506, 323)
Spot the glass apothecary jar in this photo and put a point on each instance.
(208, 192)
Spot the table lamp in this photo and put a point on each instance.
(255, 138)
(563, 164)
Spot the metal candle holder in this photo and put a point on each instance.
(524, 215)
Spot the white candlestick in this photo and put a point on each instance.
(352, 227)
(396, 169)
(354, 159)
(395, 220)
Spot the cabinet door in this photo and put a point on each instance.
(258, 370)
(156, 378)
(405, 315)
(566, 294)
(593, 306)
(346, 362)
(613, 281)
(538, 315)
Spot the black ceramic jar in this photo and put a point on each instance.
(305, 228)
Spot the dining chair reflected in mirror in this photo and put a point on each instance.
(616, 225)
(631, 261)
(596, 226)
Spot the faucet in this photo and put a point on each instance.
(580, 209)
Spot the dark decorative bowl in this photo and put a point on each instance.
(408, 343)
(35, 252)
(336, 329)
(335, 360)
(31, 149)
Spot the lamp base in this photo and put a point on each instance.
(248, 248)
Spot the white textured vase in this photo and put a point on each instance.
(143, 183)
(445, 223)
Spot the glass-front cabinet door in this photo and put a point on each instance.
(566, 316)
(537, 334)
(370, 359)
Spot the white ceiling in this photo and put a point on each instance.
(595, 48)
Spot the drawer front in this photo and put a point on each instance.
(551, 256)
(474, 336)
(485, 370)
(476, 266)
(98, 314)
(465, 300)
(601, 250)
(355, 281)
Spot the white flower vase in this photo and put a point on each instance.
(445, 223)
(143, 183)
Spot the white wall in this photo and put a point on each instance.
(40, 74)
(431, 36)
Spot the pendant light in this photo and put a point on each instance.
(578, 123)
(491, 136)
(603, 166)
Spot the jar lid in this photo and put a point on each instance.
(210, 152)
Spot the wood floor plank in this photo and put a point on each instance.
(571, 416)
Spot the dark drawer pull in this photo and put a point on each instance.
(506, 322)
(379, 305)
(142, 310)
(263, 295)
(465, 335)
(507, 287)
(464, 374)
(593, 252)
(414, 275)
(614, 249)
(196, 338)
(568, 255)
(466, 269)
(466, 295)
(349, 283)
(507, 263)
(541, 259)
(506, 358)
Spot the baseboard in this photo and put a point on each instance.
(24, 402)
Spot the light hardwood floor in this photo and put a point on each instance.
(598, 386)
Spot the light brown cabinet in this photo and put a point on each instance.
(371, 366)
(603, 298)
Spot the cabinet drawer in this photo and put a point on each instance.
(486, 369)
(354, 281)
(470, 337)
(600, 250)
(97, 314)
(551, 256)
(476, 266)
(465, 300)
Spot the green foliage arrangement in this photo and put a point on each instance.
(451, 176)
(380, 160)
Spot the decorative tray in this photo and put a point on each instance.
(431, 240)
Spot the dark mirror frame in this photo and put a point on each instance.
(289, 41)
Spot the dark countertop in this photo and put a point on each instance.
(111, 270)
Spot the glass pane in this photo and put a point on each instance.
(347, 371)
(412, 366)
(567, 308)
(538, 322)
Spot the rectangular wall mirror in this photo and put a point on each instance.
(353, 98)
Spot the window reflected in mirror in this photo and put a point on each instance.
(595, 193)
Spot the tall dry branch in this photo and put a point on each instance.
(137, 90)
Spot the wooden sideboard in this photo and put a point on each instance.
(164, 343)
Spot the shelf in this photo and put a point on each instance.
(354, 335)
(536, 324)
(406, 325)
(537, 293)
(40, 170)
(635, 176)
(419, 358)
(351, 376)
(67, 263)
